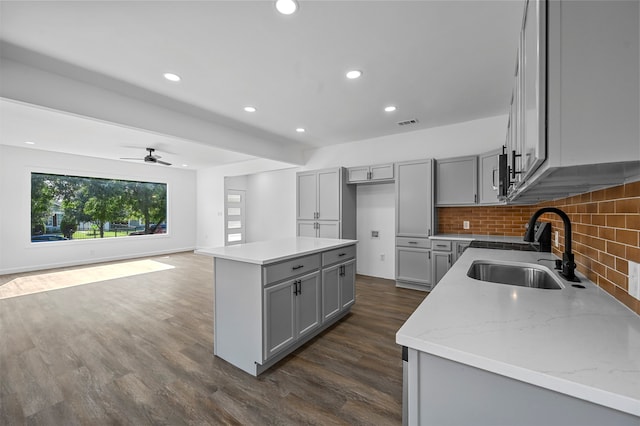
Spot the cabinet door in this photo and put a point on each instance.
(348, 284)
(279, 320)
(307, 304)
(488, 185)
(306, 195)
(383, 171)
(533, 87)
(306, 229)
(457, 181)
(328, 229)
(358, 174)
(331, 291)
(441, 264)
(413, 265)
(414, 199)
(460, 247)
(329, 195)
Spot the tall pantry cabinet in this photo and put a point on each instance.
(414, 224)
(325, 204)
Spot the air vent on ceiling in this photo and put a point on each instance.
(407, 122)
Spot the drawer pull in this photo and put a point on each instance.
(342, 254)
(413, 242)
(297, 267)
(441, 245)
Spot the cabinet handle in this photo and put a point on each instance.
(299, 287)
(475, 198)
(342, 254)
(297, 267)
(295, 288)
(429, 232)
(441, 245)
(429, 254)
(413, 242)
(449, 259)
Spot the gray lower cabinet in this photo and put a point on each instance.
(442, 261)
(338, 288)
(262, 312)
(413, 268)
(445, 254)
(292, 309)
(437, 388)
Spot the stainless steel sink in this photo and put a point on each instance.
(520, 275)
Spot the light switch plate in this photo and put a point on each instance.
(465, 224)
(634, 279)
(375, 234)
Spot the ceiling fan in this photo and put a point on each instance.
(150, 158)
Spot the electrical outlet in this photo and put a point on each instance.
(375, 234)
(556, 238)
(382, 257)
(634, 279)
(465, 224)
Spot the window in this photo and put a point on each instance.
(75, 207)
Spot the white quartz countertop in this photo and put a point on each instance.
(580, 342)
(264, 252)
(476, 237)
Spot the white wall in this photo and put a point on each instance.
(18, 254)
(376, 212)
(275, 204)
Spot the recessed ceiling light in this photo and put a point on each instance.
(286, 7)
(354, 74)
(172, 77)
(390, 108)
(30, 143)
(250, 109)
(185, 165)
(300, 130)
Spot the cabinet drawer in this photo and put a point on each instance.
(441, 245)
(413, 242)
(338, 255)
(291, 268)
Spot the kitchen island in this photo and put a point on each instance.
(270, 297)
(487, 353)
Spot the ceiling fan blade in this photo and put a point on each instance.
(163, 162)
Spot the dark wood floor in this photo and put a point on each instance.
(138, 350)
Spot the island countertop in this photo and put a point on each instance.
(580, 342)
(271, 251)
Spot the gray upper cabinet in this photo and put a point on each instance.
(575, 114)
(414, 199)
(457, 181)
(370, 174)
(488, 178)
(326, 205)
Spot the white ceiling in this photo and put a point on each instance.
(440, 62)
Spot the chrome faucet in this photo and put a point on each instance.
(568, 263)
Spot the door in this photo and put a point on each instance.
(279, 317)
(384, 171)
(306, 197)
(329, 195)
(358, 174)
(414, 199)
(328, 229)
(234, 217)
(441, 264)
(306, 229)
(413, 265)
(457, 181)
(331, 291)
(488, 185)
(307, 304)
(348, 284)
